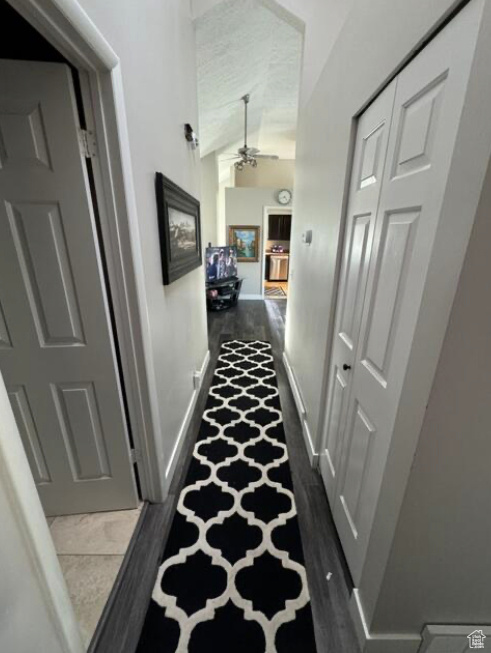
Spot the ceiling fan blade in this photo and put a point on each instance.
(232, 158)
(266, 156)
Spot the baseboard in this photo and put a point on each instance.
(250, 297)
(302, 413)
(379, 642)
(169, 472)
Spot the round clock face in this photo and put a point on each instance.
(284, 196)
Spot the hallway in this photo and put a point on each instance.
(265, 321)
(283, 474)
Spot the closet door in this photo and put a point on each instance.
(429, 99)
(368, 166)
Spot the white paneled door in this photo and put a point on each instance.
(384, 271)
(57, 352)
(368, 167)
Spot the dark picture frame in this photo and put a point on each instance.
(179, 229)
(249, 245)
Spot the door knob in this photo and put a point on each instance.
(346, 367)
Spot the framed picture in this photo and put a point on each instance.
(179, 229)
(246, 239)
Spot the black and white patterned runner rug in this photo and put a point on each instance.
(233, 577)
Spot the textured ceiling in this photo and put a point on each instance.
(245, 47)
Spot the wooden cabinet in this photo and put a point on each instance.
(279, 227)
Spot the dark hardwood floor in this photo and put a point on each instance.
(123, 618)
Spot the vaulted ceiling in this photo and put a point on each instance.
(247, 46)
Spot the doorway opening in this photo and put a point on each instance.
(277, 224)
(248, 126)
(59, 349)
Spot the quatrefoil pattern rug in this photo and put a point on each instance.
(233, 577)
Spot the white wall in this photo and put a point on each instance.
(245, 206)
(209, 200)
(441, 554)
(323, 21)
(268, 174)
(222, 236)
(376, 37)
(29, 619)
(155, 43)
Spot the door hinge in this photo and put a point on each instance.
(135, 456)
(88, 145)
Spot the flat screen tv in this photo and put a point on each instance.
(221, 263)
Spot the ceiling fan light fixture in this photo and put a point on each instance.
(247, 155)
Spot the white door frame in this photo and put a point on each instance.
(69, 29)
(280, 210)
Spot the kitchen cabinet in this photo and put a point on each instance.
(279, 227)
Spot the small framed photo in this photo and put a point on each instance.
(179, 229)
(246, 239)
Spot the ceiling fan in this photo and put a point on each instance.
(248, 155)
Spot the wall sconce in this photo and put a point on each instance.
(191, 136)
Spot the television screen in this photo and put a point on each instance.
(221, 263)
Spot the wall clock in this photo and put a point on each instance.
(284, 196)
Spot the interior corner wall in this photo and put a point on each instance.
(376, 37)
(438, 570)
(156, 46)
(209, 199)
(245, 206)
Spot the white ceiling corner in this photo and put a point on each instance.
(246, 46)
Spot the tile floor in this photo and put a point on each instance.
(276, 285)
(90, 549)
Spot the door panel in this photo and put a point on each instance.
(40, 243)
(80, 423)
(337, 403)
(373, 152)
(354, 278)
(23, 136)
(427, 108)
(5, 341)
(56, 348)
(359, 441)
(389, 286)
(417, 127)
(368, 166)
(28, 433)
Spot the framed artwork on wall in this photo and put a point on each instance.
(179, 229)
(246, 239)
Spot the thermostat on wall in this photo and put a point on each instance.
(307, 237)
